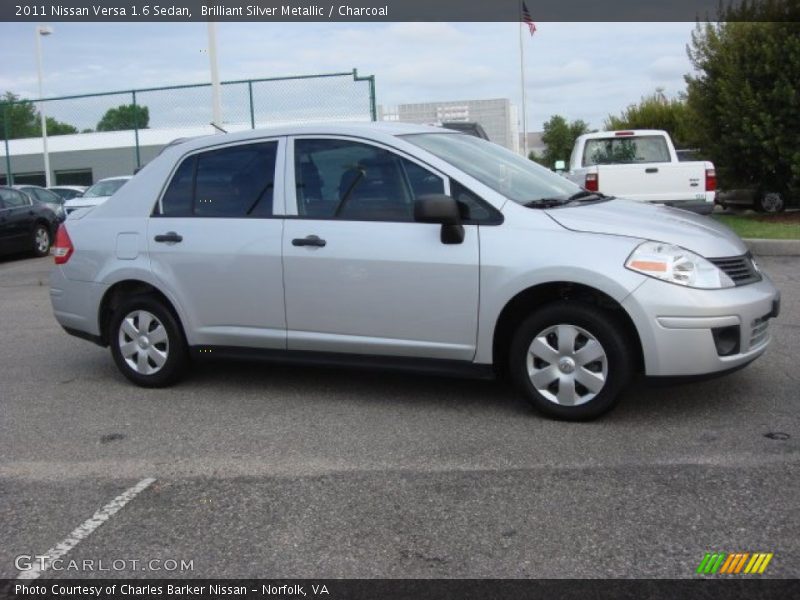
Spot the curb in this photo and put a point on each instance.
(773, 247)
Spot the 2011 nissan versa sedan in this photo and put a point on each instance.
(404, 246)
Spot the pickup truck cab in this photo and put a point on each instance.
(642, 165)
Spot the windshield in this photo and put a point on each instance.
(104, 188)
(506, 172)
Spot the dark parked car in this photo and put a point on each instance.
(25, 225)
(68, 192)
(757, 198)
(44, 196)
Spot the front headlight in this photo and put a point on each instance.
(677, 265)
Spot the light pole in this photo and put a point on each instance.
(216, 104)
(42, 30)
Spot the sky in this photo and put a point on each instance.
(579, 70)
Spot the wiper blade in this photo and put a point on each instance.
(582, 196)
(546, 202)
(585, 195)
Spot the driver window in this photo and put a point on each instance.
(342, 179)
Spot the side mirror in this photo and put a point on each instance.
(438, 208)
(560, 165)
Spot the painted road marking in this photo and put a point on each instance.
(85, 529)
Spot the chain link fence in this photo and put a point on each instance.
(95, 135)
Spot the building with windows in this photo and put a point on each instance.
(497, 116)
(84, 158)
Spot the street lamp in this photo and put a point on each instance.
(216, 104)
(42, 30)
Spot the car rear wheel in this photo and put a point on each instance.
(41, 240)
(571, 360)
(147, 342)
(770, 202)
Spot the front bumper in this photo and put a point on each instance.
(676, 325)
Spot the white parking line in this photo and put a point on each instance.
(85, 529)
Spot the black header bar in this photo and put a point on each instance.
(358, 10)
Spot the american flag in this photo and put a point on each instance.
(527, 19)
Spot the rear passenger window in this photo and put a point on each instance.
(235, 182)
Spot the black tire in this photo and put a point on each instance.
(770, 203)
(41, 240)
(597, 323)
(175, 349)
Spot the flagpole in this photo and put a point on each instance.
(522, 83)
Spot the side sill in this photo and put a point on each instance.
(95, 339)
(428, 366)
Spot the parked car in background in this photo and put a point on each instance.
(25, 225)
(409, 247)
(688, 154)
(44, 196)
(642, 165)
(468, 127)
(68, 192)
(757, 198)
(98, 193)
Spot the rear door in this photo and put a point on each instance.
(360, 275)
(215, 242)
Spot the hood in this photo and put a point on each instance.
(659, 223)
(81, 202)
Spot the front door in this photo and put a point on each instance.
(360, 275)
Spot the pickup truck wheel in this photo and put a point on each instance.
(770, 202)
(41, 240)
(571, 360)
(147, 342)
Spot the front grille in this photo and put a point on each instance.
(758, 330)
(739, 268)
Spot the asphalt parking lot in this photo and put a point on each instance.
(275, 471)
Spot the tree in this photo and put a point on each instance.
(125, 116)
(58, 128)
(559, 136)
(744, 96)
(656, 112)
(24, 121)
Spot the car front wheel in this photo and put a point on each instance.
(571, 360)
(147, 342)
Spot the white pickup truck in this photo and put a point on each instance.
(641, 165)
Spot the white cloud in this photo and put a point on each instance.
(667, 67)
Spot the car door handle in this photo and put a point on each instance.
(170, 236)
(309, 240)
(651, 170)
